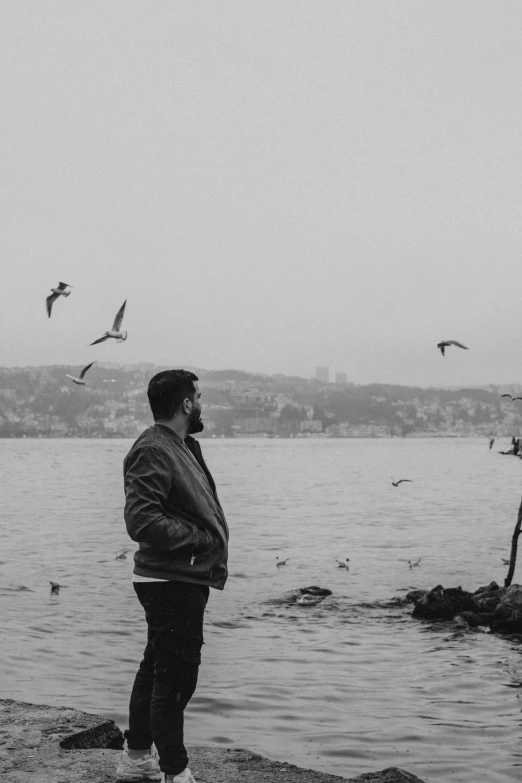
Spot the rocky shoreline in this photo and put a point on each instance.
(44, 744)
(498, 608)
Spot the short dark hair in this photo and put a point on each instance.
(168, 389)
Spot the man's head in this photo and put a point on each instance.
(175, 393)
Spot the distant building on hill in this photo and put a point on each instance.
(311, 425)
(341, 377)
(254, 425)
(322, 374)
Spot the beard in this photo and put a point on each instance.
(194, 422)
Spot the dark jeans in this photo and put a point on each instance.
(168, 673)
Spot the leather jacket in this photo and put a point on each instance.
(172, 510)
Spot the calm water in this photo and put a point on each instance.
(349, 686)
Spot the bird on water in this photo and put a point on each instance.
(116, 332)
(55, 587)
(62, 289)
(400, 481)
(445, 343)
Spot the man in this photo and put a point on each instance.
(172, 510)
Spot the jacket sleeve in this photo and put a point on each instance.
(148, 482)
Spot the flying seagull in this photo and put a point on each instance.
(414, 563)
(116, 331)
(510, 397)
(281, 562)
(396, 483)
(61, 290)
(343, 563)
(122, 555)
(79, 380)
(491, 442)
(444, 344)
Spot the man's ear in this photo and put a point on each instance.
(187, 405)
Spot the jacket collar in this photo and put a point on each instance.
(165, 428)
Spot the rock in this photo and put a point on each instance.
(103, 735)
(310, 600)
(314, 590)
(489, 597)
(512, 598)
(388, 775)
(473, 619)
(307, 596)
(507, 616)
(32, 733)
(415, 595)
(500, 608)
(506, 626)
(237, 765)
(492, 587)
(444, 604)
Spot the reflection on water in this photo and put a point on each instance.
(350, 685)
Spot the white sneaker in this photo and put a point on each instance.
(183, 777)
(145, 768)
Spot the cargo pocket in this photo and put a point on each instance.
(193, 642)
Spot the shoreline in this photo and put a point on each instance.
(263, 436)
(40, 743)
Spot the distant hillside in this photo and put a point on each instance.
(42, 402)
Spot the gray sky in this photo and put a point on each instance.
(271, 185)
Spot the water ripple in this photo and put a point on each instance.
(347, 686)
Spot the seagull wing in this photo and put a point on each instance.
(517, 398)
(85, 370)
(459, 345)
(401, 480)
(63, 286)
(101, 340)
(72, 377)
(507, 395)
(49, 302)
(119, 318)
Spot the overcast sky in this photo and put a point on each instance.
(271, 185)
